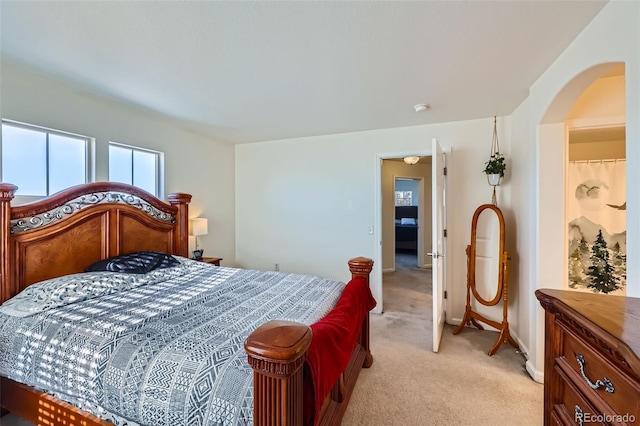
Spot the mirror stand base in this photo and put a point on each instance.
(472, 318)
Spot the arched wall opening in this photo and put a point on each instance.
(552, 160)
(552, 157)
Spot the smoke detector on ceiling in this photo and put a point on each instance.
(422, 107)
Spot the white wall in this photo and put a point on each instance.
(521, 233)
(308, 203)
(604, 98)
(538, 147)
(193, 164)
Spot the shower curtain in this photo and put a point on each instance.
(596, 210)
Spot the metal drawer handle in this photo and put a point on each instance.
(608, 386)
(579, 418)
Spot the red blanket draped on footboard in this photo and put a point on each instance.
(334, 338)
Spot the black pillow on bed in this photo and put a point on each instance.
(134, 263)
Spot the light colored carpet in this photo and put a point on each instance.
(410, 385)
(460, 385)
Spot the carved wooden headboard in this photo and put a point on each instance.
(64, 233)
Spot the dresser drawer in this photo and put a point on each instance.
(573, 408)
(599, 380)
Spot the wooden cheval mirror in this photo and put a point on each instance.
(487, 272)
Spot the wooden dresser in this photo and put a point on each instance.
(592, 368)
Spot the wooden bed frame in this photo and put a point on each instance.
(61, 234)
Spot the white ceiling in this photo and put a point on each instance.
(252, 71)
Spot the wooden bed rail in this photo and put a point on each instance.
(42, 409)
(277, 350)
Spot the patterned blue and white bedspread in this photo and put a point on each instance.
(163, 348)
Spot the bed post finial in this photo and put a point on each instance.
(7, 192)
(360, 267)
(181, 242)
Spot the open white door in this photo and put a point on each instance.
(438, 244)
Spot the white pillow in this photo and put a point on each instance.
(408, 221)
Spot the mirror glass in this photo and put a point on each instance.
(487, 255)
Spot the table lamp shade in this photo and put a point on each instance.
(198, 226)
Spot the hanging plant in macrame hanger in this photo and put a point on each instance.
(495, 167)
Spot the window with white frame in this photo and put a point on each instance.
(135, 166)
(403, 198)
(42, 161)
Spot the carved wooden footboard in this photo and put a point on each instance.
(63, 233)
(276, 352)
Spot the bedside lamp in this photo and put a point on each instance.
(198, 226)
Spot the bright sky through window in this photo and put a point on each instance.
(42, 162)
(134, 166)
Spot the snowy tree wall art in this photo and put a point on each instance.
(596, 208)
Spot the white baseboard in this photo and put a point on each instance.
(384, 271)
(536, 375)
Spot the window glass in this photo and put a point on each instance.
(67, 164)
(144, 170)
(135, 166)
(403, 198)
(120, 164)
(24, 159)
(42, 161)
